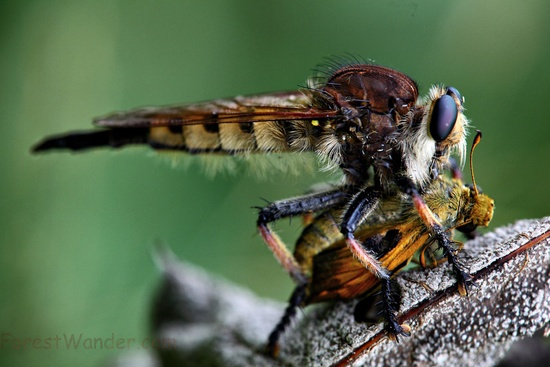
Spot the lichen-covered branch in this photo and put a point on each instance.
(200, 320)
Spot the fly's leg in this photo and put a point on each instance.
(296, 299)
(445, 242)
(360, 207)
(390, 302)
(290, 208)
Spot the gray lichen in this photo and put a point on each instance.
(201, 320)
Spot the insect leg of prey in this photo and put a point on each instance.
(290, 208)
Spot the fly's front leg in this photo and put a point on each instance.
(290, 208)
(463, 277)
(440, 234)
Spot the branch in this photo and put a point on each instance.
(201, 320)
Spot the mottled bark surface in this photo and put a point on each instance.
(203, 321)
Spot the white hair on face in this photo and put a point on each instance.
(419, 147)
(460, 148)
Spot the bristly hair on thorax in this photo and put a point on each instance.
(324, 70)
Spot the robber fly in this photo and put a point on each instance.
(394, 233)
(365, 119)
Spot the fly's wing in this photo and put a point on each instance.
(268, 107)
(228, 125)
(338, 275)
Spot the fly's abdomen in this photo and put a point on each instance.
(224, 138)
(236, 138)
(84, 140)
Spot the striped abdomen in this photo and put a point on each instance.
(235, 138)
(228, 138)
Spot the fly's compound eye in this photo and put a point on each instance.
(451, 91)
(443, 119)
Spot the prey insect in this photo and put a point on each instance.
(393, 234)
(367, 120)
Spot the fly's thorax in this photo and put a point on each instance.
(359, 145)
(369, 100)
(369, 87)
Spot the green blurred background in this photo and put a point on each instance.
(77, 231)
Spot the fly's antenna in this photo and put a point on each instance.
(477, 139)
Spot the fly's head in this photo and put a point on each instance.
(432, 131)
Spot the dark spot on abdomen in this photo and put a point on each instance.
(211, 128)
(246, 127)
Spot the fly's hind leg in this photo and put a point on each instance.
(290, 208)
(295, 301)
